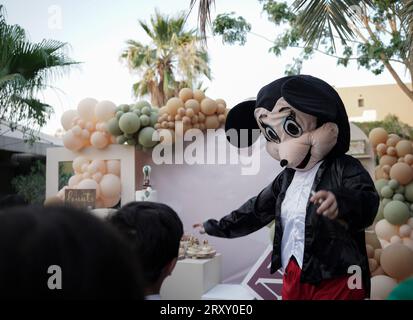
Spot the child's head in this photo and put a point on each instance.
(154, 230)
(43, 246)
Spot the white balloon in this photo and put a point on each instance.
(67, 119)
(86, 109)
(105, 110)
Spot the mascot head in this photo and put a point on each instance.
(302, 118)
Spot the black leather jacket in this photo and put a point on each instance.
(330, 246)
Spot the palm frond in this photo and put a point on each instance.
(204, 14)
(332, 17)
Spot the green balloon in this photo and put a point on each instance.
(129, 123)
(113, 127)
(394, 184)
(154, 118)
(145, 137)
(119, 114)
(124, 107)
(380, 184)
(155, 110)
(137, 112)
(400, 190)
(131, 142)
(120, 139)
(396, 212)
(386, 192)
(408, 192)
(385, 201)
(398, 197)
(145, 120)
(142, 103)
(146, 111)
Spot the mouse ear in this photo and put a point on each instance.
(241, 127)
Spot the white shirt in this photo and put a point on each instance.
(293, 212)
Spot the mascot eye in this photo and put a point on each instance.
(271, 135)
(292, 127)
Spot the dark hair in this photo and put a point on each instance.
(95, 262)
(12, 200)
(154, 230)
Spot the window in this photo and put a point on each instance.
(360, 102)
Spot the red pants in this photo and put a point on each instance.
(333, 289)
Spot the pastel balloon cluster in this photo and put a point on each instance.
(194, 110)
(86, 126)
(391, 260)
(134, 124)
(102, 175)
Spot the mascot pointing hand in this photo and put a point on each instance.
(320, 203)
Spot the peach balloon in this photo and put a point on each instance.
(90, 126)
(52, 201)
(173, 105)
(105, 110)
(221, 102)
(408, 242)
(113, 167)
(78, 163)
(370, 251)
(185, 94)
(410, 222)
(110, 186)
(386, 159)
(85, 134)
(392, 140)
(100, 165)
(212, 122)
(385, 230)
(401, 172)
(67, 119)
(199, 95)
(408, 158)
(405, 230)
(404, 147)
(92, 168)
(395, 239)
(74, 180)
(61, 193)
(98, 140)
(86, 175)
(397, 261)
(391, 151)
(89, 184)
(378, 135)
(373, 264)
(110, 202)
(208, 106)
(86, 109)
(97, 176)
(72, 142)
(381, 148)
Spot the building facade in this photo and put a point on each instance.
(374, 103)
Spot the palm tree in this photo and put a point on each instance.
(25, 69)
(174, 59)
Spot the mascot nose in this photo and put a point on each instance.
(283, 162)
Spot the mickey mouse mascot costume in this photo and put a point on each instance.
(321, 202)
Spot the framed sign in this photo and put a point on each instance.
(81, 198)
(260, 282)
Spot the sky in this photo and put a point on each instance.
(96, 31)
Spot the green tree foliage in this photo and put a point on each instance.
(32, 187)
(233, 29)
(26, 68)
(390, 123)
(174, 59)
(374, 34)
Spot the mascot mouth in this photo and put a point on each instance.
(305, 160)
